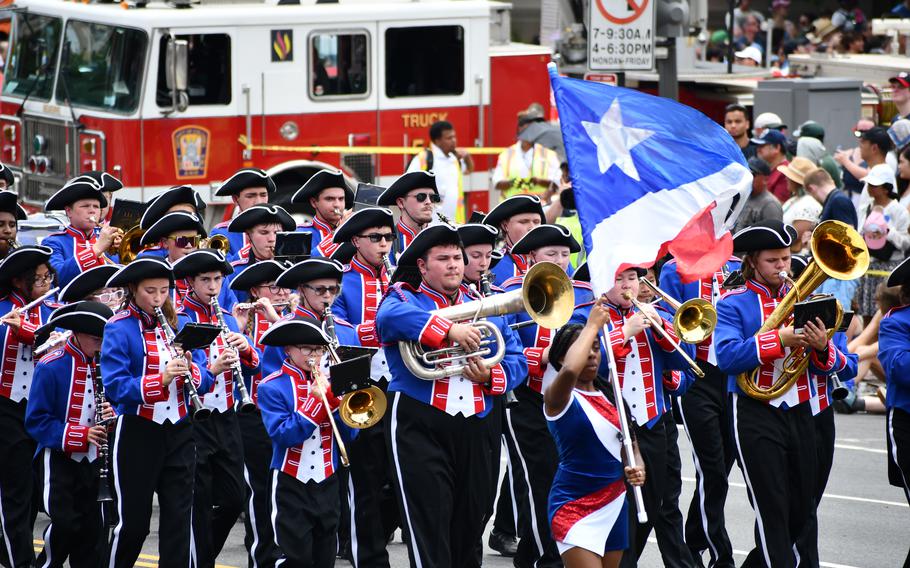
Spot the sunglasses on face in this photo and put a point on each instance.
(186, 242)
(322, 290)
(421, 197)
(377, 237)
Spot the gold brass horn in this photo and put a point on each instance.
(129, 247)
(839, 252)
(217, 242)
(362, 408)
(546, 295)
(693, 320)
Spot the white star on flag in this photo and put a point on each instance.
(614, 141)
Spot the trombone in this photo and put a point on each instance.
(659, 329)
(693, 320)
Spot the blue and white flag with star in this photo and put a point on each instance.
(650, 176)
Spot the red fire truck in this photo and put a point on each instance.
(159, 94)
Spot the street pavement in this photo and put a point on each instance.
(863, 521)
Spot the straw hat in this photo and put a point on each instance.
(797, 169)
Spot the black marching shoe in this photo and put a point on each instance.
(504, 544)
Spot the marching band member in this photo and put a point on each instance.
(894, 354)
(587, 509)
(479, 240)
(26, 275)
(642, 357)
(365, 281)
(705, 413)
(434, 425)
(7, 179)
(246, 188)
(325, 196)
(776, 446)
(218, 490)
(80, 246)
(153, 450)
(180, 198)
(261, 225)
(513, 218)
(178, 234)
(269, 303)
(92, 285)
(61, 416)
(417, 198)
(108, 184)
(10, 215)
(528, 441)
(305, 456)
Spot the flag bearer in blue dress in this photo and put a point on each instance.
(246, 188)
(62, 416)
(513, 218)
(219, 488)
(436, 427)
(587, 509)
(296, 401)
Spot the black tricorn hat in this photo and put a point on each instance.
(309, 270)
(409, 181)
(87, 282)
(104, 181)
(171, 223)
(256, 274)
(23, 259)
(545, 236)
(262, 214)
(344, 254)
(82, 317)
(515, 205)
(323, 179)
(76, 189)
(245, 178)
(477, 234)
(582, 273)
(202, 260)
(6, 175)
(294, 332)
(898, 276)
(143, 268)
(161, 203)
(436, 235)
(764, 235)
(798, 263)
(9, 203)
(362, 220)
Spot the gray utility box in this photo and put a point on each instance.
(834, 103)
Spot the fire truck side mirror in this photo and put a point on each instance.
(176, 69)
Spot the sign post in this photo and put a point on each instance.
(621, 35)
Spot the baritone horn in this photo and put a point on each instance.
(839, 252)
(693, 320)
(546, 294)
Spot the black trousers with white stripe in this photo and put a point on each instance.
(532, 449)
(807, 545)
(259, 538)
(442, 471)
(660, 452)
(898, 435)
(17, 498)
(305, 517)
(705, 412)
(148, 459)
(69, 496)
(219, 490)
(776, 451)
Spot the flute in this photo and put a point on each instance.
(39, 299)
(52, 343)
(243, 306)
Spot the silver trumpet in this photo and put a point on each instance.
(246, 403)
(200, 412)
(546, 295)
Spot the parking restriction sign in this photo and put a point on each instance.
(621, 35)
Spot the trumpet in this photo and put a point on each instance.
(246, 403)
(52, 343)
(838, 251)
(129, 247)
(104, 488)
(115, 245)
(317, 376)
(693, 320)
(657, 327)
(200, 412)
(219, 243)
(546, 295)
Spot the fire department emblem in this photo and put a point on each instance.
(282, 49)
(191, 156)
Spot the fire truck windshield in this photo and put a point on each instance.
(33, 56)
(101, 66)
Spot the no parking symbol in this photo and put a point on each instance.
(621, 35)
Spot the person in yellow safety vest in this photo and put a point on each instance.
(526, 168)
(450, 164)
(562, 211)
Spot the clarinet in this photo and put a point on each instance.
(387, 264)
(486, 288)
(246, 403)
(104, 488)
(200, 412)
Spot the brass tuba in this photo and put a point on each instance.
(546, 295)
(693, 320)
(839, 252)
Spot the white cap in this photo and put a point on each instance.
(880, 175)
(766, 119)
(750, 52)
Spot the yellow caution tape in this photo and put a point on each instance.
(881, 273)
(393, 150)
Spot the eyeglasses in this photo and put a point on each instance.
(45, 278)
(322, 290)
(111, 297)
(421, 197)
(376, 237)
(273, 288)
(307, 351)
(186, 242)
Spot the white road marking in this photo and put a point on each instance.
(827, 495)
(860, 449)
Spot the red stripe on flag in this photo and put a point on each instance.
(697, 252)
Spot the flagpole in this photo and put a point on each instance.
(623, 424)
